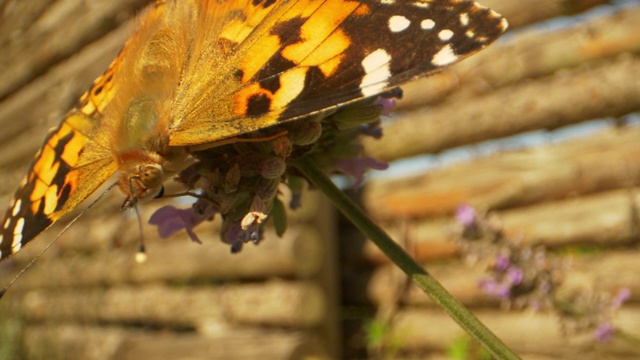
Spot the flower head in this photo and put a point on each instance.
(241, 179)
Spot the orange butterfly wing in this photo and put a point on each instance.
(213, 69)
(71, 164)
(285, 60)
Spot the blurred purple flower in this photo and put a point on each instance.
(515, 275)
(535, 305)
(501, 262)
(493, 288)
(621, 297)
(170, 220)
(604, 332)
(546, 287)
(387, 105)
(465, 215)
(356, 167)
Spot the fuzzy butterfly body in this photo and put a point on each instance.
(196, 72)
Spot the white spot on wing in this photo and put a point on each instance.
(6, 223)
(504, 23)
(17, 236)
(388, 2)
(444, 57)
(376, 68)
(398, 23)
(445, 35)
(464, 19)
(427, 24)
(470, 34)
(17, 243)
(16, 207)
(19, 226)
(421, 4)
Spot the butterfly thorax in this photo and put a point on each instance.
(141, 149)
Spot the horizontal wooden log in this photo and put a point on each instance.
(272, 303)
(64, 26)
(298, 254)
(527, 12)
(78, 342)
(603, 219)
(606, 272)
(602, 161)
(527, 333)
(426, 239)
(572, 97)
(530, 54)
(239, 345)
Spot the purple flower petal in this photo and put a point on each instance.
(465, 215)
(356, 167)
(515, 275)
(501, 262)
(170, 220)
(493, 288)
(546, 287)
(387, 105)
(535, 305)
(234, 234)
(621, 297)
(604, 332)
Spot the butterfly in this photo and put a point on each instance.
(196, 72)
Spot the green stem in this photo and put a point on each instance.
(399, 257)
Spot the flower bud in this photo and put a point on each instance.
(231, 179)
(352, 118)
(306, 133)
(272, 167)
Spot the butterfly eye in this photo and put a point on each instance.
(160, 193)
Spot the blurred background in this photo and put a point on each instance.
(513, 178)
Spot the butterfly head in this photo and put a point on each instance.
(141, 182)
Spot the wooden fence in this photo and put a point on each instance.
(312, 292)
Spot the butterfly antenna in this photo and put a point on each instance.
(3, 291)
(141, 255)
